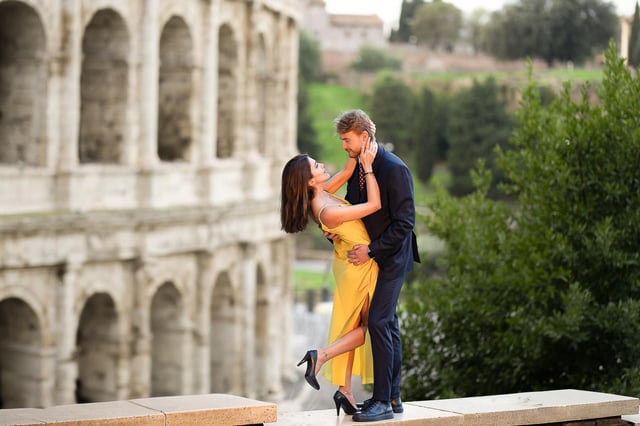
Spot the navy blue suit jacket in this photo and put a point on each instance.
(393, 241)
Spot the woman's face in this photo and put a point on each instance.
(318, 172)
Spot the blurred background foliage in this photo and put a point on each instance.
(527, 197)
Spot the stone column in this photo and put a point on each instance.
(208, 98)
(64, 104)
(277, 328)
(202, 333)
(67, 366)
(285, 254)
(247, 346)
(123, 362)
(140, 380)
(185, 330)
(246, 142)
(148, 100)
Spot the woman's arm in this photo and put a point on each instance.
(339, 179)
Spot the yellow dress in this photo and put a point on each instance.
(353, 286)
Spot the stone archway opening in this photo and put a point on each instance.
(175, 91)
(224, 331)
(104, 85)
(21, 355)
(97, 346)
(23, 86)
(167, 338)
(227, 92)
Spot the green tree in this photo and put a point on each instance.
(430, 122)
(407, 11)
(371, 59)
(476, 25)
(481, 123)
(520, 30)
(307, 137)
(437, 24)
(580, 29)
(391, 106)
(545, 295)
(552, 30)
(309, 58)
(634, 39)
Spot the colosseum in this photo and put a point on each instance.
(141, 145)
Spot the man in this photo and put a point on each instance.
(393, 246)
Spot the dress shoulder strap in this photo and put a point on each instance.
(320, 213)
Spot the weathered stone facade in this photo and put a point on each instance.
(141, 146)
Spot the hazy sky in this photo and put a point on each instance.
(389, 10)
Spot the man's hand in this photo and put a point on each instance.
(359, 254)
(330, 236)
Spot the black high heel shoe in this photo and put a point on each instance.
(342, 401)
(311, 358)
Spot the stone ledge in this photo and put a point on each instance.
(564, 407)
(214, 409)
(567, 406)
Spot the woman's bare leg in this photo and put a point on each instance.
(347, 343)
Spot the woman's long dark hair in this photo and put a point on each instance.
(296, 195)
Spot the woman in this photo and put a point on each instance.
(307, 191)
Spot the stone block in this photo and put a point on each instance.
(536, 407)
(20, 416)
(211, 409)
(112, 413)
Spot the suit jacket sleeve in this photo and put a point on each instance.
(396, 240)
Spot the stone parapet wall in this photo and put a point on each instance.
(565, 407)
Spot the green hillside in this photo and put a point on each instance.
(326, 102)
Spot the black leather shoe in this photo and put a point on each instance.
(376, 410)
(396, 405)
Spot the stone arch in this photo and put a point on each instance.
(224, 334)
(21, 355)
(263, 83)
(104, 86)
(23, 86)
(262, 346)
(227, 91)
(167, 336)
(175, 91)
(97, 345)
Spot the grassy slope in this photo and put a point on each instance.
(326, 102)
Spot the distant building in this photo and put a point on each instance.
(342, 33)
(625, 35)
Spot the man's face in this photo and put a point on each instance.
(352, 142)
